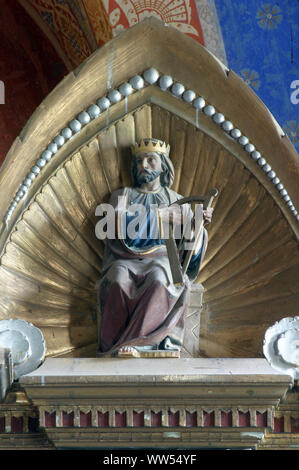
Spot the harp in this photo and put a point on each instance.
(178, 263)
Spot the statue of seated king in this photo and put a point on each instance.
(142, 308)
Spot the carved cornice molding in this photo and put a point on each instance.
(75, 410)
(114, 402)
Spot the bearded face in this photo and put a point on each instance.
(148, 167)
(146, 176)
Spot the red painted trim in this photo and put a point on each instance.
(156, 419)
(191, 419)
(103, 419)
(67, 419)
(208, 418)
(174, 418)
(278, 424)
(244, 419)
(138, 419)
(226, 419)
(85, 419)
(261, 419)
(120, 419)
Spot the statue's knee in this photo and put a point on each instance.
(118, 274)
(158, 277)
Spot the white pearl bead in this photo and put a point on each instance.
(267, 168)
(126, 89)
(209, 110)
(114, 96)
(236, 133)
(189, 96)
(53, 147)
(84, 118)
(41, 162)
(27, 182)
(31, 175)
(137, 82)
(165, 82)
(199, 103)
(103, 103)
(75, 125)
(249, 148)
(177, 89)
(261, 161)
(94, 111)
(46, 155)
(66, 133)
(59, 140)
(271, 174)
(151, 75)
(20, 193)
(243, 140)
(35, 169)
(227, 126)
(218, 118)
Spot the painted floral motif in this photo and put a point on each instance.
(269, 16)
(114, 17)
(292, 129)
(251, 77)
(180, 14)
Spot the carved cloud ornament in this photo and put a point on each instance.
(26, 343)
(281, 346)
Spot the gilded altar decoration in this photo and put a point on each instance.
(76, 153)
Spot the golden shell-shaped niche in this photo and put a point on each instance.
(50, 257)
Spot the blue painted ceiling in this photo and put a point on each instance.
(261, 41)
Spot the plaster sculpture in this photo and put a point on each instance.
(142, 309)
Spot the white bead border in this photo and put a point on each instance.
(150, 76)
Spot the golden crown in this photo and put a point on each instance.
(150, 145)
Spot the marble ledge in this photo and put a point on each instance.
(161, 370)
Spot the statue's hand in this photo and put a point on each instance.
(207, 214)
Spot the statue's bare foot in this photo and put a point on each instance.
(127, 351)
